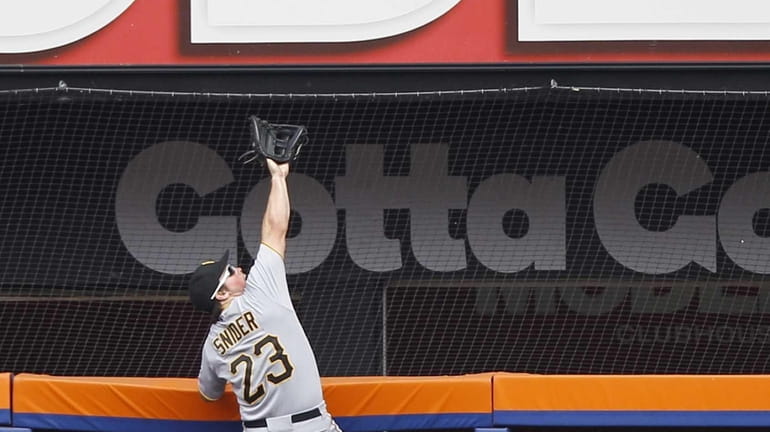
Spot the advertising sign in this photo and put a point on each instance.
(545, 231)
(380, 32)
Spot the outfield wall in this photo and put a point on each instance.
(359, 404)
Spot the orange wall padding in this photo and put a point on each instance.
(631, 400)
(395, 403)
(367, 396)
(155, 398)
(44, 401)
(5, 398)
(632, 392)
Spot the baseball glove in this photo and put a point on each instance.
(279, 142)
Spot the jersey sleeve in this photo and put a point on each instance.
(267, 277)
(210, 385)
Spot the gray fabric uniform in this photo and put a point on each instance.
(259, 346)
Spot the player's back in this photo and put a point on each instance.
(263, 352)
(260, 347)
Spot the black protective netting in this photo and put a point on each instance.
(543, 230)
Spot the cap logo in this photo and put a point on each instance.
(207, 262)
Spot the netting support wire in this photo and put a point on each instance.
(62, 87)
(552, 85)
(556, 86)
(384, 330)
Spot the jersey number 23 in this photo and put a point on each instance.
(248, 361)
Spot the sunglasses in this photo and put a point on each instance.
(229, 271)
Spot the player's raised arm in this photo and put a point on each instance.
(275, 222)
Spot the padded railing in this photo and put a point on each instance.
(481, 401)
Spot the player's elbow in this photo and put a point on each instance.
(277, 224)
(207, 398)
(275, 229)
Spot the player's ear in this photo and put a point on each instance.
(222, 294)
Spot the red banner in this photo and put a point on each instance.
(238, 32)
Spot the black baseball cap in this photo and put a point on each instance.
(206, 280)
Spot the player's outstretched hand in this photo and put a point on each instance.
(276, 169)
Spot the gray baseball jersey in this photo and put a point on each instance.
(259, 346)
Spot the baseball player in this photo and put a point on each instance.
(256, 341)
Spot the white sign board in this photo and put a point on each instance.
(608, 20)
